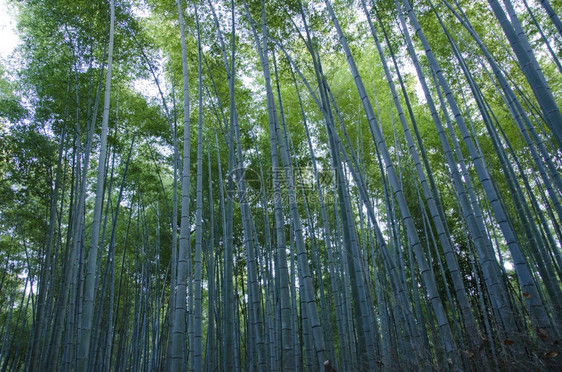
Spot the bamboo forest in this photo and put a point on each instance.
(281, 185)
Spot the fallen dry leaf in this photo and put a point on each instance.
(543, 335)
(550, 354)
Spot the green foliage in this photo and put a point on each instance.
(51, 106)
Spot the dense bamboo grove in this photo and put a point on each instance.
(270, 185)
